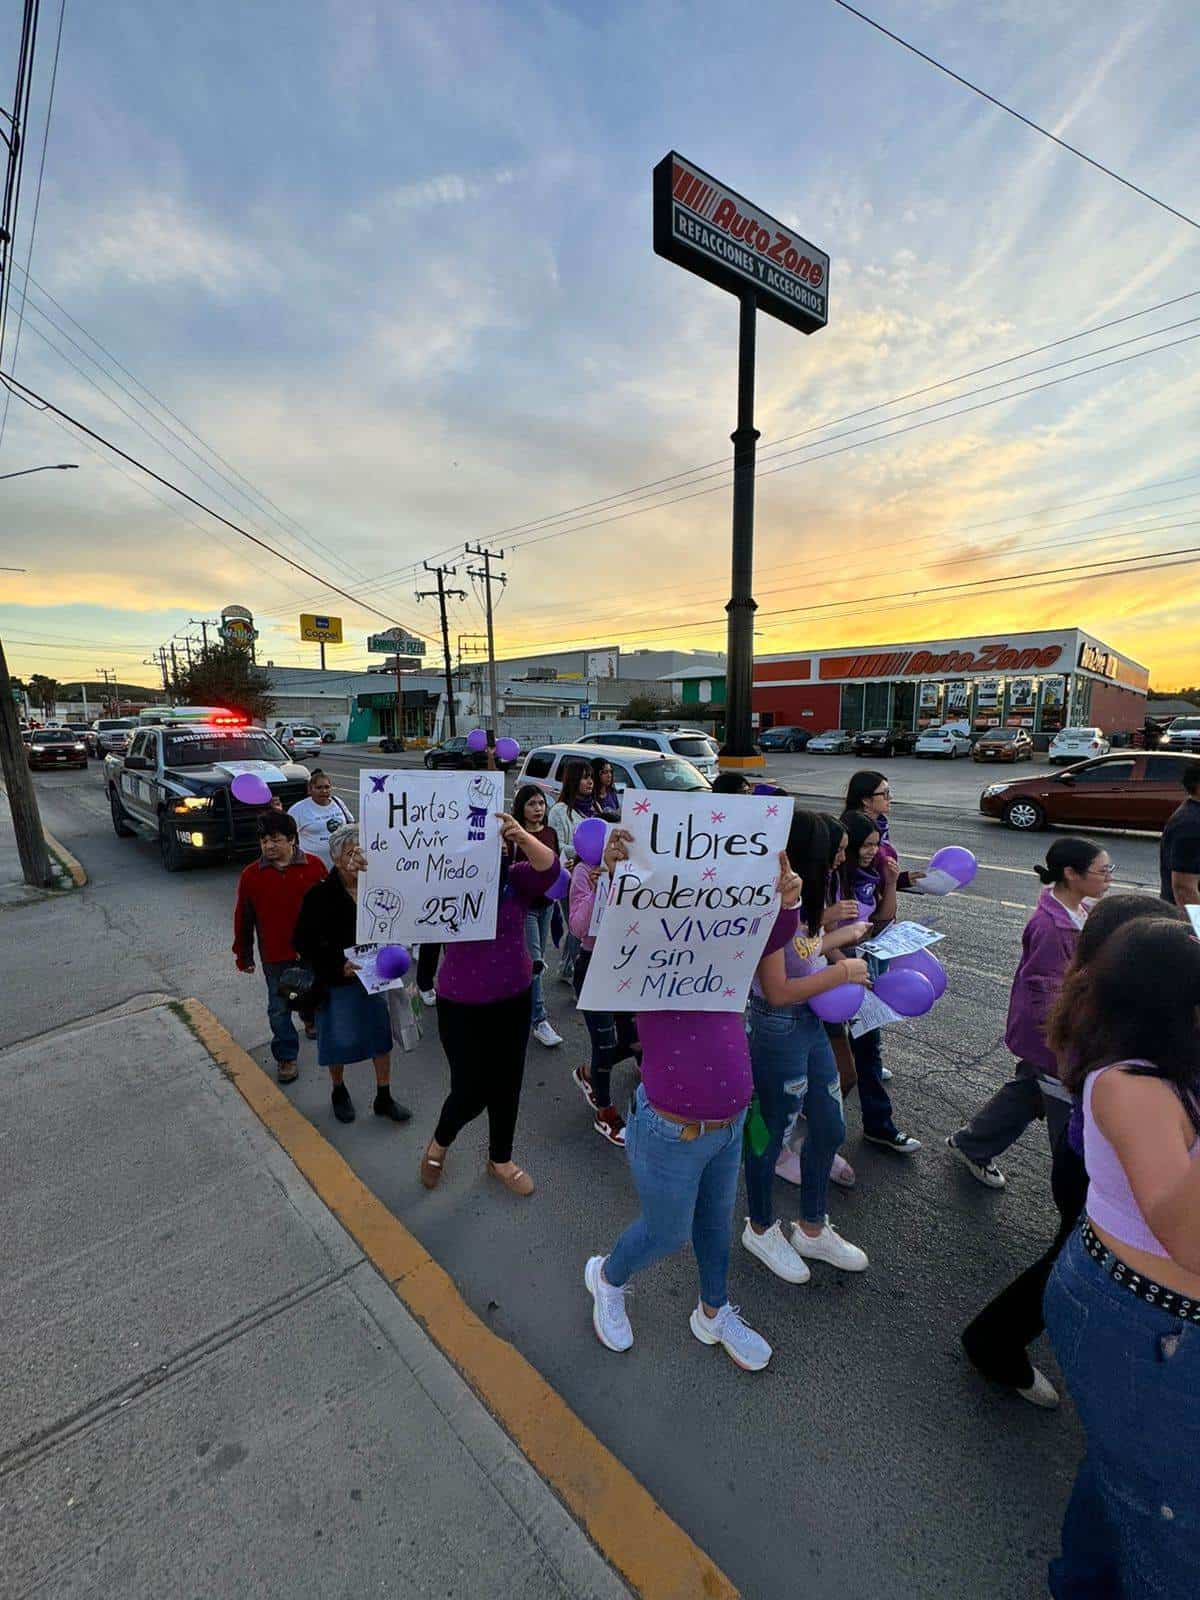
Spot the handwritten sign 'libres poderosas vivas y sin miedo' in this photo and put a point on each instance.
(690, 911)
(431, 842)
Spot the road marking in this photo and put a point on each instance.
(1020, 872)
(629, 1527)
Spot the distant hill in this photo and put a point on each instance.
(99, 691)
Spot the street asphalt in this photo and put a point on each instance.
(868, 1460)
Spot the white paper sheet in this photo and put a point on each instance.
(935, 881)
(901, 939)
(364, 957)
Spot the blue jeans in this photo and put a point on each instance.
(1133, 1523)
(874, 1099)
(793, 1068)
(537, 942)
(687, 1189)
(285, 1041)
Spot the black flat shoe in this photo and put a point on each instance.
(343, 1106)
(385, 1106)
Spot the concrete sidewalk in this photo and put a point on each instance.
(14, 891)
(210, 1390)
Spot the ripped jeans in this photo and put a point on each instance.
(794, 1070)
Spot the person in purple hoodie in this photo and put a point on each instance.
(484, 1011)
(1076, 874)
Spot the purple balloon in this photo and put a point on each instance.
(560, 886)
(588, 840)
(910, 994)
(250, 789)
(766, 788)
(957, 861)
(926, 964)
(393, 961)
(840, 1004)
(477, 741)
(507, 749)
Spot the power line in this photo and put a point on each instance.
(638, 490)
(1020, 116)
(39, 402)
(37, 206)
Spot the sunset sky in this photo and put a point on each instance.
(393, 264)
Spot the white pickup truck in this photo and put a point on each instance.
(174, 783)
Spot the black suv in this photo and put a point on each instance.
(453, 753)
(884, 742)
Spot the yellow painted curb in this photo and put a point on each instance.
(72, 863)
(650, 1551)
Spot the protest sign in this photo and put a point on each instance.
(431, 842)
(688, 914)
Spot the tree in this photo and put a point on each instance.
(641, 708)
(45, 691)
(224, 675)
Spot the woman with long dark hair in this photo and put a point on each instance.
(871, 793)
(576, 800)
(606, 801)
(1123, 1301)
(997, 1340)
(794, 1069)
(1077, 873)
(870, 879)
(529, 812)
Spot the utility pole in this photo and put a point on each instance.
(22, 802)
(204, 623)
(489, 577)
(441, 594)
(174, 670)
(162, 661)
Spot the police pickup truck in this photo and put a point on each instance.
(174, 782)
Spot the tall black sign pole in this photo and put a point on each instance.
(739, 662)
(703, 225)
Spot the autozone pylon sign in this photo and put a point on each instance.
(712, 230)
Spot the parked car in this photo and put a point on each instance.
(107, 734)
(1077, 744)
(834, 741)
(52, 747)
(943, 741)
(633, 768)
(1135, 789)
(1003, 744)
(1182, 734)
(690, 743)
(884, 742)
(784, 737)
(299, 739)
(453, 753)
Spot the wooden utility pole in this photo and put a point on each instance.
(22, 801)
(441, 594)
(489, 577)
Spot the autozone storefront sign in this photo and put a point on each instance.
(703, 225)
(1000, 657)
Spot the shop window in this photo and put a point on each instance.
(852, 707)
(878, 713)
(904, 704)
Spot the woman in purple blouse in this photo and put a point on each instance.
(684, 1146)
(484, 1008)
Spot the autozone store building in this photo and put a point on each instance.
(1038, 681)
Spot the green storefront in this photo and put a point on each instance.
(374, 715)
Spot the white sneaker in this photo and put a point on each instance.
(988, 1173)
(831, 1247)
(788, 1166)
(842, 1173)
(748, 1349)
(1041, 1392)
(545, 1034)
(885, 1074)
(429, 997)
(773, 1250)
(608, 1307)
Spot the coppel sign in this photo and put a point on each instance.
(703, 225)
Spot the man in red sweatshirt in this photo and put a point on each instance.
(268, 900)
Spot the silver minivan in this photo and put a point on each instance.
(633, 768)
(690, 743)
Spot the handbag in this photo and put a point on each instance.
(296, 985)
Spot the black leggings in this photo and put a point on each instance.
(613, 1035)
(485, 1046)
(997, 1339)
(427, 965)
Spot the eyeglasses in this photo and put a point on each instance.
(1105, 872)
(882, 794)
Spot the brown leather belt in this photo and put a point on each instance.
(692, 1130)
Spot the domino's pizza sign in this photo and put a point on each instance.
(703, 225)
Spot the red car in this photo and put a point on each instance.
(47, 749)
(1128, 789)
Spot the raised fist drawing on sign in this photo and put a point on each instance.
(384, 905)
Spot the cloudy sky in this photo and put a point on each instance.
(392, 265)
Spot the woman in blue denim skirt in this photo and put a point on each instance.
(1123, 1302)
(794, 1069)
